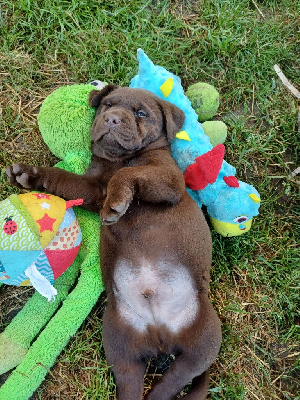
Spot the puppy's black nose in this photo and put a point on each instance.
(112, 120)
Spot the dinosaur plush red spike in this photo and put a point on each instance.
(231, 181)
(206, 168)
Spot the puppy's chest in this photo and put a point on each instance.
(155, 294)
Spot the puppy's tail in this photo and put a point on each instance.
(199, 389)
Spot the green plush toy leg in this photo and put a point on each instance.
(42, 354)
(17, 337)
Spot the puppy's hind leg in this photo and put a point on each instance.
(129, 377)
(199, 388)
(193, 362)
(183, 370)
(124, 358)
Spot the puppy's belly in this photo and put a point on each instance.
(158, 294)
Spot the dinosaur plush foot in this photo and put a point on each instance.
(11, 354)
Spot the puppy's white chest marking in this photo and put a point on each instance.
(161, 294)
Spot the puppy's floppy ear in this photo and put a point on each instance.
(97, 95)
(174, 118)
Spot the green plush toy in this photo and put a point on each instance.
(41, 330)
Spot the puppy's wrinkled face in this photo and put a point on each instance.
(128, 120)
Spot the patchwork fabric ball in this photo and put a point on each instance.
(39, 239)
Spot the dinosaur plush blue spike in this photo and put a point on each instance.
(210, 180)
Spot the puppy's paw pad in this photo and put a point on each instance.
(120, 208)
(109, 218)
(22, 175)
(110, 215)
(23, 180)
(8, 172)
(13, 170)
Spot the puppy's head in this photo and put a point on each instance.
(128, 120)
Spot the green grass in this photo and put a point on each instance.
(255, 278)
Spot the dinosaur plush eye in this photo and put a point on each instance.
(141, 114)
(241, 219)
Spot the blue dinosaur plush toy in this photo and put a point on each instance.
(210, 180)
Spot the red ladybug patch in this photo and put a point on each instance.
(10, 227)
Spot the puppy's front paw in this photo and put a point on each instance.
(24, 176)
(112, 211)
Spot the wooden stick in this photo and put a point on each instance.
(286, 82)
(256, 6)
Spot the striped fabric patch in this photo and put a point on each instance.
(42, 265)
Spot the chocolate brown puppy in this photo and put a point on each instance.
(155, 243)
